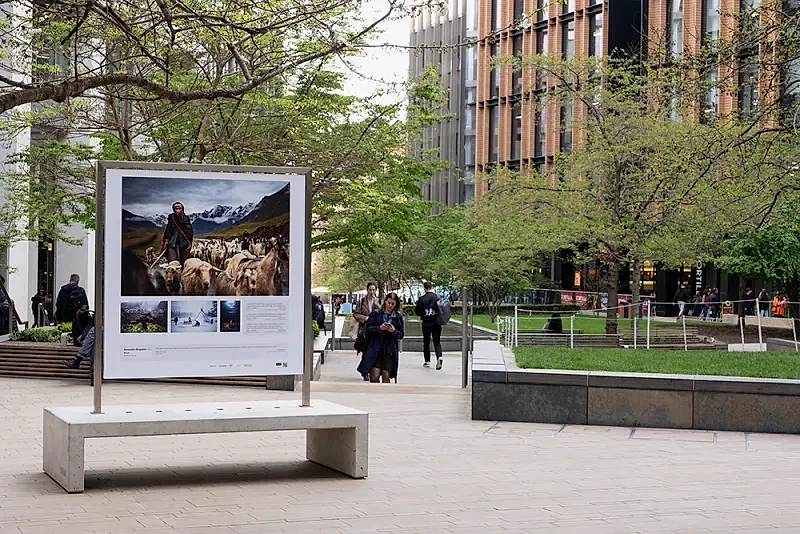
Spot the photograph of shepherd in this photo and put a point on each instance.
(178, 235)
(193, 316)
(204, 237)
(148, 317)
(230, 316)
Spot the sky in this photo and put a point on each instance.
(380, 67)
(154, 196)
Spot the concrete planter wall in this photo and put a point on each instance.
(502, 392)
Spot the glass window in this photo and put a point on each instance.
(566, 128)
(494, 128)
(516, 76)
(541, 127)
(472, 15)
(676, 28)
(494, 73)
(568, 7)
(710, 21)
(596, 35)
(470, 95)
(469, 150)
(568, 40)
(516, 131)
(541, 42)
(518, 10)
(711, 94)
(469, 120)
(497, 14)
(748, 84)
(469, 64)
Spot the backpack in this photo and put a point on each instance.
(77, 300)
(444, 311)
(319, 316)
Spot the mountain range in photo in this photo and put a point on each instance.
(217, 218)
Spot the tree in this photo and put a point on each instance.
(53, 189)
(464, 252)
(176, 51)
(770, 251)
(639, 183)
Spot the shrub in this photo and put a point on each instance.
(38, 335)
(65, 328)
(315, 328)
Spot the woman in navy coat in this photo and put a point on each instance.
(384, 329)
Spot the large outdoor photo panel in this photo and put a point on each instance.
(204, 273)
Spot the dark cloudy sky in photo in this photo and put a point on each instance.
(147, 196)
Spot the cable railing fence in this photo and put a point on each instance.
(657, 330)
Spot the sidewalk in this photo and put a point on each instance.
(432, 470)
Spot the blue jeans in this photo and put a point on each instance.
(87, 349)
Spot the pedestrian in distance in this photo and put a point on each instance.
(763, 303)
(698, 304)
(749, 301)
(553, 325)
(361, 314)
(384, 330)
(427, 309)
(680, 298)
(779, 305)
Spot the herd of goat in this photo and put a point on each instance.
(216, 268)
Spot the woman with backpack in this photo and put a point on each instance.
(384, 329)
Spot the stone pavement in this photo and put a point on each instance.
(432, 470)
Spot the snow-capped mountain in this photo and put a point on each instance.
(224, 214)
(218, 215)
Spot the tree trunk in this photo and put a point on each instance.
(636, 278)
(613, 285)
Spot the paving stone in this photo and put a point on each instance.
(432, 469)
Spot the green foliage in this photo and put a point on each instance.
(138, 328)
(700, 362)
(47, 188)
(65, 328)
(38, 335)
(315, 328)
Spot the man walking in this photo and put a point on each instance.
(428, 309)
(680, 298)
(71, 298)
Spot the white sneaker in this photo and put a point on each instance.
(426, 364)
(438, 364)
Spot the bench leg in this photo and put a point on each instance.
(62, 454)
(342, 449)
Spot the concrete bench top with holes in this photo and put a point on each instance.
(336, 436)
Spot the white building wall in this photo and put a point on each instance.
(71, 259)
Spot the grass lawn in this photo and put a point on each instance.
(589, 324)
(693, 362)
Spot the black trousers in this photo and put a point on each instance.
(434, 331)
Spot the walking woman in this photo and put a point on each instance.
(384, 329)
(361, 313)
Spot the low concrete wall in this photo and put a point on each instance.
(781, 344)
(503, 392)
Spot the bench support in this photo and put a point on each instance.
(63, 453)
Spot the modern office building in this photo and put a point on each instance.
(441, 38)
(513, 132)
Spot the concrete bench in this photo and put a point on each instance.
(336, 436)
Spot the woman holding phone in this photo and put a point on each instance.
(384, 328)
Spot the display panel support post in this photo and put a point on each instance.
(99, 286)
(308, 335)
